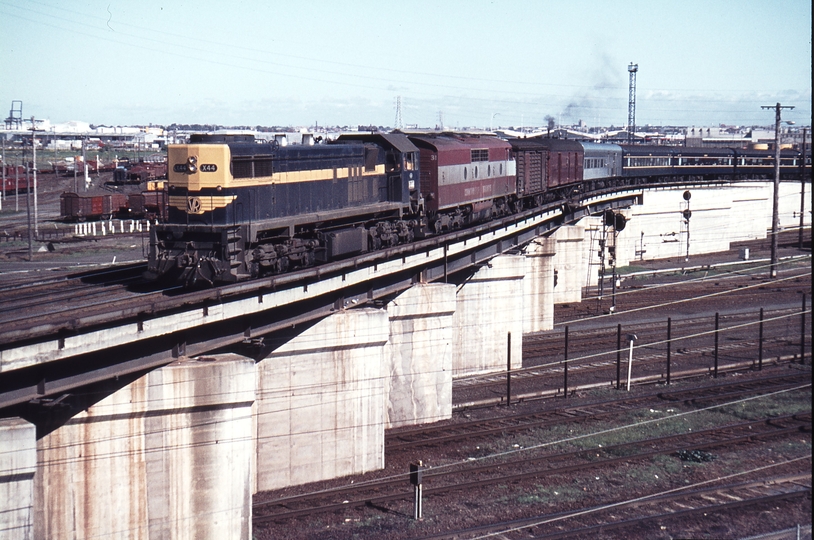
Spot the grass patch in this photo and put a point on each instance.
(558, 494)
(654, 422)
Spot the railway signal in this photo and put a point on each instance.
(685, 224)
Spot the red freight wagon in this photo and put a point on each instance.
(74, 207)
(149, 204)
(547, 163)
(474, 174)
(15, 179)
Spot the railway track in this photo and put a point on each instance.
(36, 299)
(444, 433)
(467, 476)
(675, 288)
(535, 384)
(597, 349)
(658, 509)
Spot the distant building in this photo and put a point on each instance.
(738, 137)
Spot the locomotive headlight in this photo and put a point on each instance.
(192, 164)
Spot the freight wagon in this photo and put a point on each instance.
(74, 207)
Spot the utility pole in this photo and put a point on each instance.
(631, 102)
(802, 191)
(85, 162)
(34, 153)
(3, 193)
(776, 195)
(28, 206)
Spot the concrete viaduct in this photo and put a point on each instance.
(181, 437)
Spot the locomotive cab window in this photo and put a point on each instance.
(409, 161)
(392, 162)
(370, 158)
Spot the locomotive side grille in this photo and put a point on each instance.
(252, 168)
(242, 168)
(263, 167)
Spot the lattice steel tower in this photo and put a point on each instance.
(15, 115)
(631, 102)
(398, 113)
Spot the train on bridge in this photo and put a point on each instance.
(239, 208)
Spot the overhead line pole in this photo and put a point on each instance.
(34, 159)
(775, 196)
(802, 191)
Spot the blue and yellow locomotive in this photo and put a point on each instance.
(241, 208)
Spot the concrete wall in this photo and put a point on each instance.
(656, 229)
(321, 402)
(418, 382)
(538, 286)
(168, 456)
(720, 216)
(489, 307)
(18, 463)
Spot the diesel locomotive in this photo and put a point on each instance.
(239, 208)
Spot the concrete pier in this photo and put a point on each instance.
(539, 286)
(167, 456)
(18, 463)
(320, 405)
(418, 383)
(570, 264)
(489, 308)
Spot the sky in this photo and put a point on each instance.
(463, 63)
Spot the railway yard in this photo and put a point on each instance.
(720, 453)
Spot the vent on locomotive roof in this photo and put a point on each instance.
(219, 138)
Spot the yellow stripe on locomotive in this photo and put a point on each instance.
(200, 203)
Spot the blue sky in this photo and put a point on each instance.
(473, 63)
